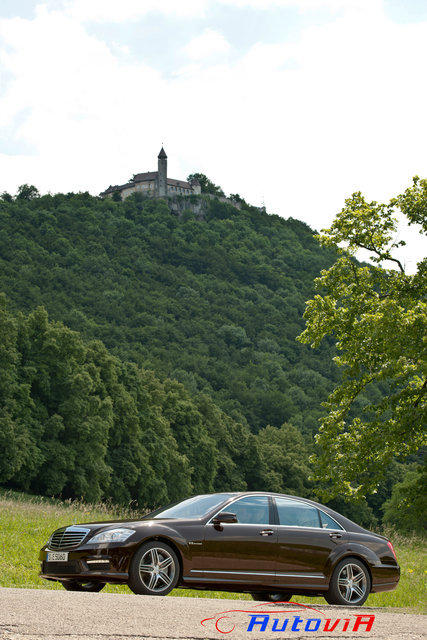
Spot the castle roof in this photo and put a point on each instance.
(179, 183)
(148, 176)
(152, 175)
(144, 177)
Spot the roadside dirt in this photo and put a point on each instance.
(37, 614)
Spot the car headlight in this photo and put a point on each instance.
(112, 535)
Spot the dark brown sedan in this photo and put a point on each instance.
(270, 545)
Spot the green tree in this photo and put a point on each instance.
(70, 420)
(377, 317)
(14, 441)
(27, 192)
(285, 456)
(207, 185)
(406, 510)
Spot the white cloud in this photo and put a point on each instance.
(306, 5)
(125, 10)
(298, 124)
(206, 45)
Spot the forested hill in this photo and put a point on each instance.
(215, 303)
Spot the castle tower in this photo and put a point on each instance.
(196, 186)
(162, 178)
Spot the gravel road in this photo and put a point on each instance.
(38, 614)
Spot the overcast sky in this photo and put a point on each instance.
(293, 104)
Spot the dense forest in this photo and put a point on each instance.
(215, 303)
(145, 355)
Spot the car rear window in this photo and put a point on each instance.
(328, 522)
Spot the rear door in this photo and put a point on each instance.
(308, 541)
(242, 552)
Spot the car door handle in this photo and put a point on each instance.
(266, 532)
(335, 535)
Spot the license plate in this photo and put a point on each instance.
(57, 556)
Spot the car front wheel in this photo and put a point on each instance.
(283, 596)
(350, 583)
(154, 569)
(89, 587)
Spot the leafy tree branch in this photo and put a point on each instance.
(377, 317)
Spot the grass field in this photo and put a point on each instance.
(27, 522)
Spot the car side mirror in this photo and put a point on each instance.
(224, 517)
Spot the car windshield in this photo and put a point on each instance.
(195, 507)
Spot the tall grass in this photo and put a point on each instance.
(26, 523)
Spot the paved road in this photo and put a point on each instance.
(27, 614)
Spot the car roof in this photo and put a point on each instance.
(349, 525)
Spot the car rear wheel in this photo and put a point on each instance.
(350, 583)
(154, 569)
(74, 585)
(283, 596)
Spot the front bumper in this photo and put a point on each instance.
(108, 563)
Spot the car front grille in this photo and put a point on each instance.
(60, 568)
(67, 537)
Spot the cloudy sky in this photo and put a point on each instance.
(293, 104)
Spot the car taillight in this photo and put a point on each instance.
(390, 546)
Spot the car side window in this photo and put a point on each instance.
(293, 513)
(251, 510)
(328, 522)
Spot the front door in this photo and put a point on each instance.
(242, 552)
(308, 540)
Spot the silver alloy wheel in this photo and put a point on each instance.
(352, 583)
(157, 569)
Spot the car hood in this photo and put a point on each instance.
(110, 524)
(133, 524)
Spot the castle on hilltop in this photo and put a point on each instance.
(155, 183)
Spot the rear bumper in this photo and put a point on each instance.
(385, 577)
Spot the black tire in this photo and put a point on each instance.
(350, 584)
(283, 596)
(154, 581)
(89, 587)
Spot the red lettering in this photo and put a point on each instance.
(346, 623)
(368, 622)
(328, 628)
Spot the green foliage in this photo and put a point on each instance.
(284, 452)
(215, 303)
(406, 510)
(27, 192)
(378, 319)
(212, 305)
(78, 422)
(413, 203)
(207, 185)
(13, 399)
